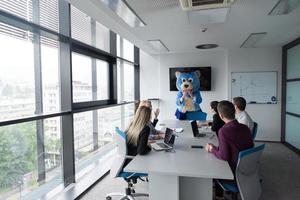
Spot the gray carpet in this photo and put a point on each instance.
(280, 170)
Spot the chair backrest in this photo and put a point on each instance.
(254, 131)
(247, 173)
(197, 115)
(118, 162)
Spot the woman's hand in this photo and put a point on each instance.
(156, 113)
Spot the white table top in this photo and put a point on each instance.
(185, 161)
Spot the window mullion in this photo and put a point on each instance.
(38, 95)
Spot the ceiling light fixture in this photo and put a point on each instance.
(158, 45)
(253, 39)
(283, 7)
(125, 12)
(207, 46)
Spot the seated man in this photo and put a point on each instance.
(240, 114)
(233, 138)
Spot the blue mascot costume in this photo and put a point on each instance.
(188, 96)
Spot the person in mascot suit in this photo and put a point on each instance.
(188, 95)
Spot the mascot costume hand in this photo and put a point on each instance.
(188, 96)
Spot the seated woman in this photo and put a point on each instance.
(216, 123)
(154, 134)
(138, 132)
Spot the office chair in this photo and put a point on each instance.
(247, 175)
(117, 170)
(254, 131)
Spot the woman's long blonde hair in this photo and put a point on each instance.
(141, 118)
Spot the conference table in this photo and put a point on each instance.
(185, 173)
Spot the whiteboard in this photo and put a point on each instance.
(255, 87)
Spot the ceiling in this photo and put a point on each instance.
(168, 22)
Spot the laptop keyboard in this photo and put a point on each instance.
(162, 145)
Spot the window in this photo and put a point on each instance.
(89, 31)
(38, 78)
(83, 84)
(50, 78)
(17, 87)
(94, 133)
(21, 170)
(125, 49)
(82, 77)
(25, 9)
(125, 81)
(18, 84)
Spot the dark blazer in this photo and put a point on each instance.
(142, 147)
(217, 123)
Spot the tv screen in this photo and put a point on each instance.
(205, 78)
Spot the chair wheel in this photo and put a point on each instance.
(108, 198)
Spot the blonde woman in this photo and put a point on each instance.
(154, 134)
(138, 132)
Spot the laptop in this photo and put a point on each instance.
(167, 143)
(196, 130)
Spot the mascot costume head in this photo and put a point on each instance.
(188, 96)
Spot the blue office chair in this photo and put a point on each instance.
(247, 175)
(254, 131)
(117, 169)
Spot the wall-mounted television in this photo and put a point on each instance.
(205, 78)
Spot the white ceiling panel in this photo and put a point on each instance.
(167, 22)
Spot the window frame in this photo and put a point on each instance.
(285, 80)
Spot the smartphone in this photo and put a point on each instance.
(197, 146)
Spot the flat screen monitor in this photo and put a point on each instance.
(205, 78)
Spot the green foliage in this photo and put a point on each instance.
(17, 153)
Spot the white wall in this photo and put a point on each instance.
(155, 81)
(216, 59)
(267, 116)
(149, 76)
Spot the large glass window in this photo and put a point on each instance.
(293, 97)
(125, 49)
(89, 31)
(50, 75)
(38, 76)
(125, 81)
(292, 130)
(83, 70)
(17, 87)
(292, 83)
(293, 62)
(93, 134)
(25, 9)
(25, 166)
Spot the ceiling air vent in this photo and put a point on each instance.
(204, 4)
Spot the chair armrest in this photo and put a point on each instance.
(130, 157)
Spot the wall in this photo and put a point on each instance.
(155, 81)
(149, 76)
(267, 116)
(217, 59)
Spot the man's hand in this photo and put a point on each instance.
(156, 113)
(209, 147)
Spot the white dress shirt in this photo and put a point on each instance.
(244, 118)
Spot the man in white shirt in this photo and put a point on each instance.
(240, 114)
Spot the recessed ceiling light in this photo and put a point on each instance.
(159, 45)
(253, 39)
(125, 12)
(283, 7)
(206, 46)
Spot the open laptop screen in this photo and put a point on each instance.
(168, 135)
(195, 128)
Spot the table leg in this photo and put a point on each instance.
(195, 188)
(163, 187)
